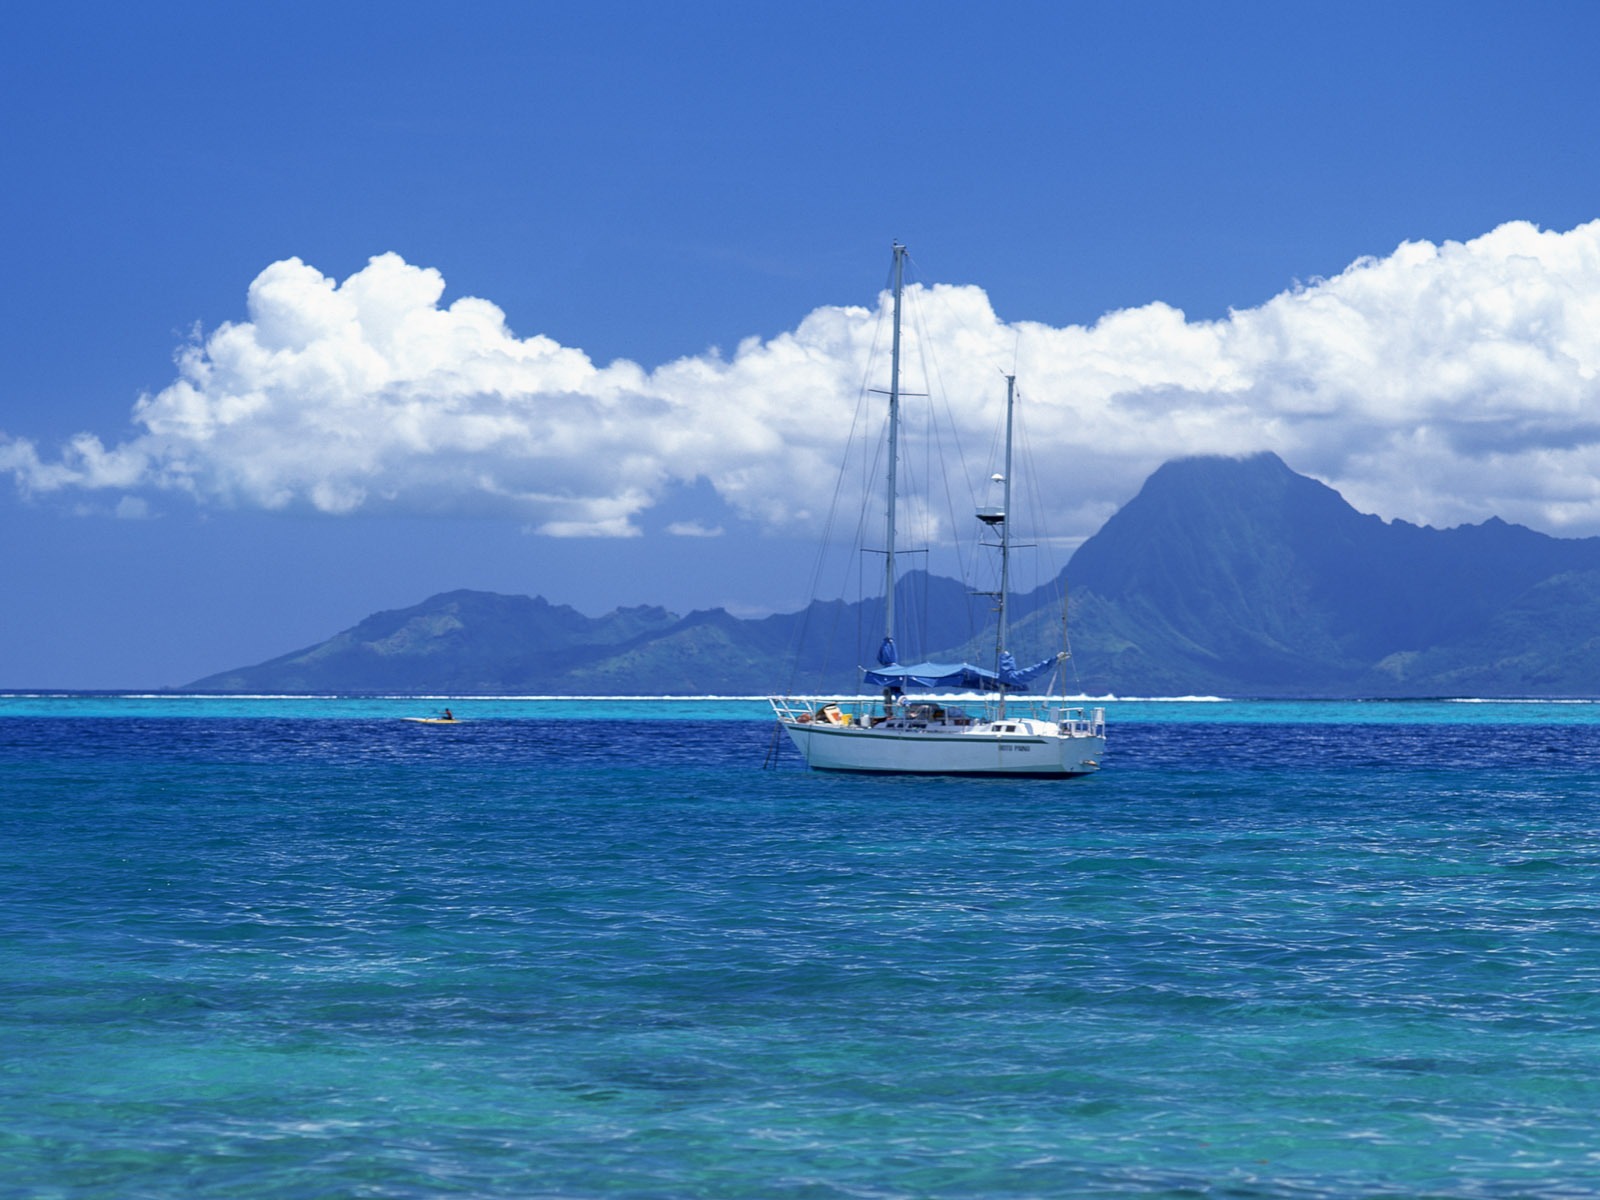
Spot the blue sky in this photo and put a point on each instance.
(1162, 202)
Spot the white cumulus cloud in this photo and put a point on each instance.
(1440, 384)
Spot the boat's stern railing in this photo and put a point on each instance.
(1080, 722)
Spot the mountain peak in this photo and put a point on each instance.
(1262, 475)
(1271, 583)
(1206, 514)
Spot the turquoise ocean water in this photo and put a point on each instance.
(303, 948)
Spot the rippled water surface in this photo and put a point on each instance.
(1269, 951)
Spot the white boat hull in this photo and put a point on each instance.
(975, 751)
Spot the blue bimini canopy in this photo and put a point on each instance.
(963, 676)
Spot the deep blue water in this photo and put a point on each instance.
(1270, 951)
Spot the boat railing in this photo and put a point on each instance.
(822, 710)
(1073, 720)
(1080, 722)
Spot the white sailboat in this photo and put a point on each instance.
(943, 733)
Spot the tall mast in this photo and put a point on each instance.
(1005, 540)
(894, 449)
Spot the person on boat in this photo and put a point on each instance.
(448, 715)
(891, 697)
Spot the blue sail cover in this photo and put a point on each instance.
(887, 653)
(964, 676)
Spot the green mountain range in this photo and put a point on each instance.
(1222, 576)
